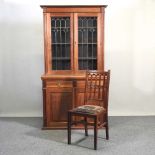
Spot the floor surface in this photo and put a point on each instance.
(128, 136)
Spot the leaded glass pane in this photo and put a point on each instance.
(87, 43)
(60, 32)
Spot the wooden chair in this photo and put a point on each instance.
(95, 105)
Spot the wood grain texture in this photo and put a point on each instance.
(60, 86)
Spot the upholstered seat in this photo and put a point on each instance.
(90, 109)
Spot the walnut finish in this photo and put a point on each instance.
(63, 89)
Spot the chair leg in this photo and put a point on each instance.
(86, 128)
(95, 133)
(69, 127)
(107, 130)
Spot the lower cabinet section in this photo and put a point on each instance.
(58, 98)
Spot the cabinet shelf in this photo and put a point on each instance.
(87, 58)
(93, 27)
(61, 58)
(60, 43)
(87, 43)
(60, 27)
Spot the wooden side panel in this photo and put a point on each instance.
(79, 92)
(100, 62)
(44, 104)
(79, 99)
(47, 46)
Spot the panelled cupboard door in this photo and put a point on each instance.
(88, 37)
(59, 101)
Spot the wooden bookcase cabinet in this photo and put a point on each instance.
(73, 43)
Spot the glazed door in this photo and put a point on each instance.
(87, 44)
(60, 42)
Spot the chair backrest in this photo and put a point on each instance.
(97, 88)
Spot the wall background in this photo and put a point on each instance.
(129, 53)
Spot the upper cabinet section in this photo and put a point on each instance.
(73, 39)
